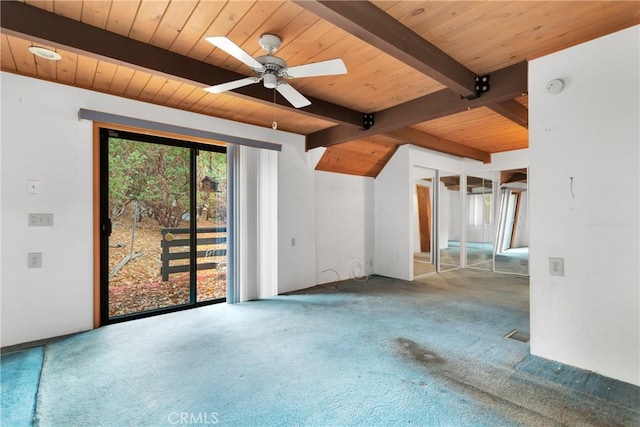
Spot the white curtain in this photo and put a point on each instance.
(252, 223)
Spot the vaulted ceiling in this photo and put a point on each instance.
(412, 65)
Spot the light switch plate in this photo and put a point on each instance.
(40, 220)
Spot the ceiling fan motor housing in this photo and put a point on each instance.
(272, 70)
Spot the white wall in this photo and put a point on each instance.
(345, 226)
(393, 217)
(43, 139)
(590, 317)
(296, 219)
(515, 159)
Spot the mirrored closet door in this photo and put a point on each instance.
(512, 237)
(424, 237)
(449, 220)
(480, 222)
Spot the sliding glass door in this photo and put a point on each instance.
(211, 226)
(163, 220)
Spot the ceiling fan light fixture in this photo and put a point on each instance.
(45, 53)
(270, 81)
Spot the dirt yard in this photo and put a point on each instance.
(138, 286)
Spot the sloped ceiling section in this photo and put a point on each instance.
(412, 64)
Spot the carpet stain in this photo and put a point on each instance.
(418, 353)
(512, 397)
(436, 366)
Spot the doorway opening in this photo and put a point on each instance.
(163, 220)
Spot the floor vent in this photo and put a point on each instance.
(519, 336)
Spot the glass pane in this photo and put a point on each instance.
(512, 243)
(480, 230)
(212, 226)
(423, 222)
(450, 228)
(149, 189)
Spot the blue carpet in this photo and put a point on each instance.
(616, 392)
(381, 352)
(20, 375)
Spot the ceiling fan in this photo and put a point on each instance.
(272, 70)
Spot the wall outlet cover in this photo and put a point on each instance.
(556, 266)
(34, 260)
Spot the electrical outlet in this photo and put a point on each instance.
(556, 266)
(34, 260)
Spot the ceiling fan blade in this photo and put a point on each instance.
(232, 85)
(292, 95)
(331, 67)
(234, 50)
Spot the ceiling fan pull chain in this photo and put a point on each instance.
(274, 124)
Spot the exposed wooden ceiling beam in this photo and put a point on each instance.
(372, 25)
(512, 110)
(507, 83)
(425, 140)
(21, 19)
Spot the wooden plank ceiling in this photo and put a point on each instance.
(411, 64)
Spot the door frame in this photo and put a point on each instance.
(100, 239)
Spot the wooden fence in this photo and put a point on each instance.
(180, 238)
